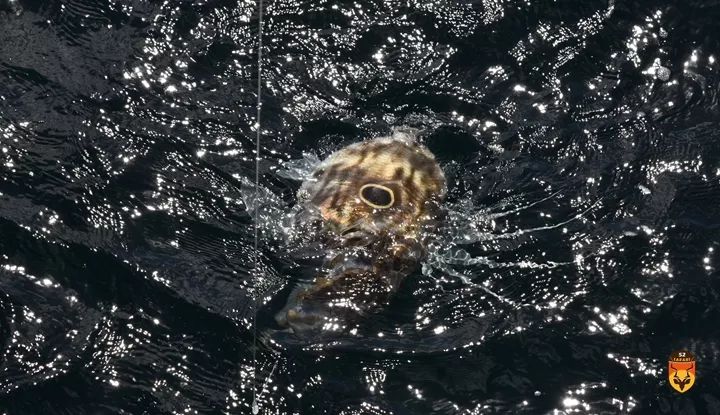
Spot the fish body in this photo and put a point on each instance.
(373, 202)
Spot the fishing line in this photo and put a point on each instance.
(256, 268)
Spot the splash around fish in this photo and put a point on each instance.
(372, 205)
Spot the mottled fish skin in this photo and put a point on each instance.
(375, 201)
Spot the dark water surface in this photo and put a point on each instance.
(580, 141)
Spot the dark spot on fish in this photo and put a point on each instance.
(339, 198)
(363, 155)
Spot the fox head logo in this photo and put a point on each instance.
(681, 371)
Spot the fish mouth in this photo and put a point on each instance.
(357, 235)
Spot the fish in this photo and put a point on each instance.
(372, 205)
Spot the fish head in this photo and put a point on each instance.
(377, 187)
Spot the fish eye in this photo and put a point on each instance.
(377, 196)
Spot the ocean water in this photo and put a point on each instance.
(580, 248)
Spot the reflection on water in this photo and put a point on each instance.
(578, 139)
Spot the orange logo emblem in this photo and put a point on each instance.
(681, 370)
